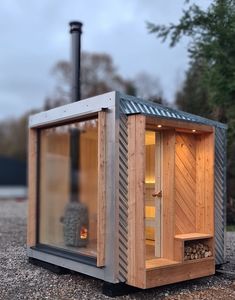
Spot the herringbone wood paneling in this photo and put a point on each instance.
(185, 183)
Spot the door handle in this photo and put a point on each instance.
(158, 194)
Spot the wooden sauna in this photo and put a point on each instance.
(150, 191)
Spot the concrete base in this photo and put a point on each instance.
(118, 289)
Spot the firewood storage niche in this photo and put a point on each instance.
(171, 212)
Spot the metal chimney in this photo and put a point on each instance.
(76, 219)
(76, 32)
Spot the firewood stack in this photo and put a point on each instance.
(196, 251)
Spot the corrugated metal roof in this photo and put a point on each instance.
(132, 105)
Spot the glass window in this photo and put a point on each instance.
(153, 194)
(68, 187)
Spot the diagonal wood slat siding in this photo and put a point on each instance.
(220, 194)
(123, 198)
(185, 183)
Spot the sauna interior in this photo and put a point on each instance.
(54, 189)
(176, 201)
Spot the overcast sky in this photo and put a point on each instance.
(34, 36)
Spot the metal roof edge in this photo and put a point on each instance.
(198, 119)
(72, 110)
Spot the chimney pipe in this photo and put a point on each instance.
(76, 31)
(76, 219)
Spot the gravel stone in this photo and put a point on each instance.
(21, 280)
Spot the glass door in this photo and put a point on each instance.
(153, 194)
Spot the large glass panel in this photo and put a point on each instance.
(152, 196)
(68, 187)
(149, 190)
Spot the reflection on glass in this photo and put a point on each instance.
(150, 212)
(68, 187)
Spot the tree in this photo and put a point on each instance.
(211, 34)
(13, 138)
(193, 94)
(148, 87)
(98, 75)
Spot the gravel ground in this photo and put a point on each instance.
(230, 247)
(21, 280)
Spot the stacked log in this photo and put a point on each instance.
(196, 250)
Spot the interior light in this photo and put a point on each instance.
(150, 181)
(159, 126)
(194, 130)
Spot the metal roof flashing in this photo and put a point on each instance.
(132, 105)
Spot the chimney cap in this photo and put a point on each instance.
(75, 26)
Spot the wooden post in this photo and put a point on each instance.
(168, 194)
(101, 189)
(136, 196)
(32, 187)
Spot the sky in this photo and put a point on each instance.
(34, 35)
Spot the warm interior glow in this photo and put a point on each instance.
(149, 211)
(159, 126)
(150, 138)
(150, 236)
(194, 130)
(83, 233)
(150, 180)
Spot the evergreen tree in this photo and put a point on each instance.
(193, 95)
